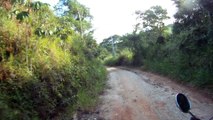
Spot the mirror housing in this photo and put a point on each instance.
(182, 102)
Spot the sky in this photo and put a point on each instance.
(112, 17)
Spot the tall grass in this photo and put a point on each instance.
(45, 77)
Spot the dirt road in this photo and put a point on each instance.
(136, 95)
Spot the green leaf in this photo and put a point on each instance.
(22, 15)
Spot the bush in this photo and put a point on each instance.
(177, 67)
(57, 83)
(124, 58)
(45, 76)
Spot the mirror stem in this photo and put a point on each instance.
(193, 115)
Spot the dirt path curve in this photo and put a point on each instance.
(134, 95)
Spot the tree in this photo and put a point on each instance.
(111, 43)
(194, 21)
(208, 5)
(152, 19)
(76, 15)
(193, 28)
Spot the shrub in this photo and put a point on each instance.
(123, 58)
(45, 76)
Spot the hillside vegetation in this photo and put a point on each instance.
(48, 60)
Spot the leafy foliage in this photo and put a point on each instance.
(124, 58)
(153, 18)
(45, 72)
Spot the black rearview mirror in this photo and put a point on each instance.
(182, 102)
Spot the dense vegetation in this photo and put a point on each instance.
(48, 60)
(183, 50)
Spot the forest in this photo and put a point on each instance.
(182, 50)
(51, 66)
(48, 60)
